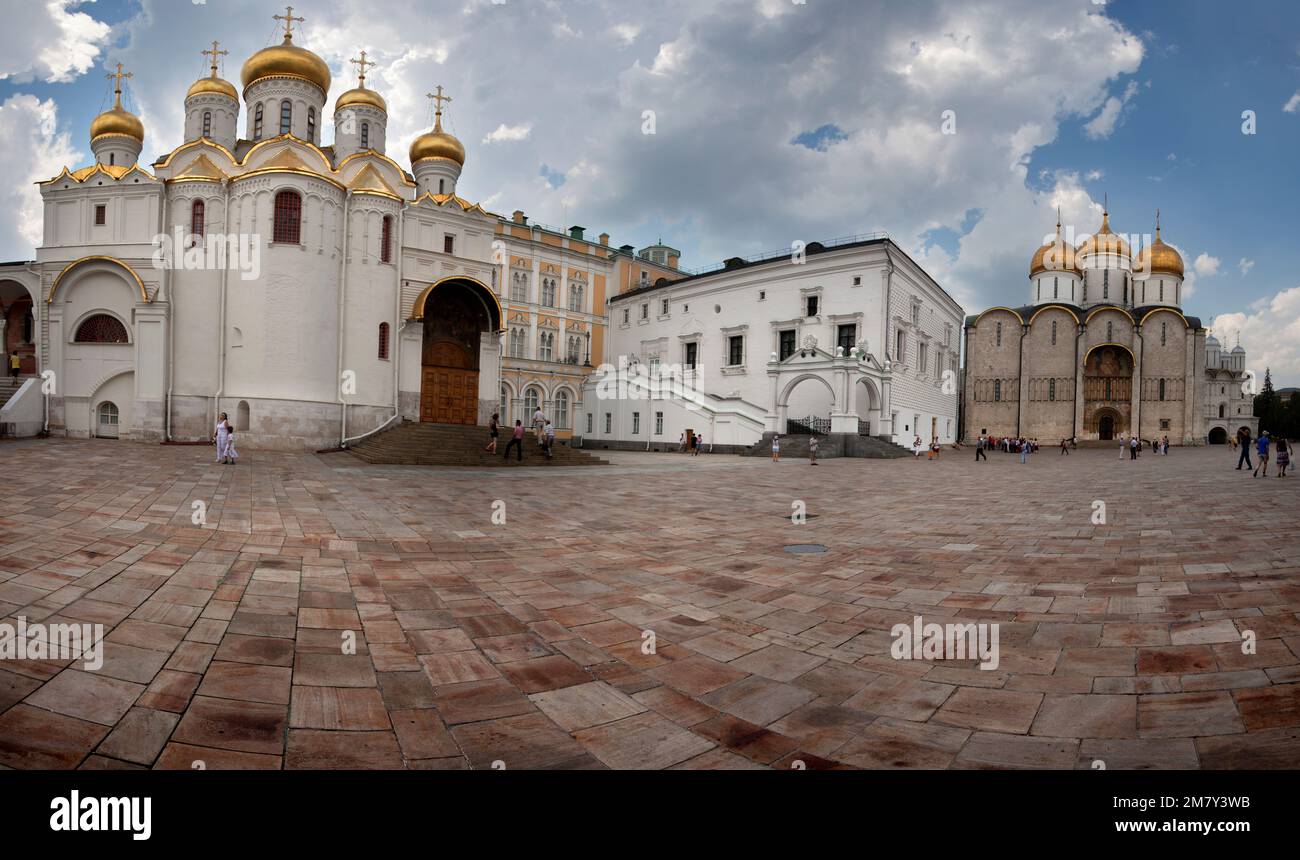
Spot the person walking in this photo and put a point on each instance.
(1261, 448)
(494, 430)
(221, 435)
(1243, 438)
(1283, 456)
(231, 453)
(539, 425)
(812, 449)
(935, 448)
(917, 447)
(15, 365)
(549, 436)
(980, 444)
(1065, 446)
(1024, 451)
(699, 443)
(1133, 448)
(776, 449)
(516, 441)
(1123, 447)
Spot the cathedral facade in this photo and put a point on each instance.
(1102, 351)
(313, 292)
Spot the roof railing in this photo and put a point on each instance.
(764, 256)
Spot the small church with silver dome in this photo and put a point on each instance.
(1103, 351)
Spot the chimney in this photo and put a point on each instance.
(519, 217)
(576, 232)
(604, 239)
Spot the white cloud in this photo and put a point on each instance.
(1293, 104)
(1270, 334)
(626, 33)
(35, 151)
(1094, 175)
(1245, 266)
(1103, 124)
(505, 132)
(48, 42)
(1205, 265)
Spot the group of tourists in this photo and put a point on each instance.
(224, 436)
(813, 444)
(1134, 446)
(691, 445)
(1007, 444)
(542, 428)
(933, 448)
(1266, 444)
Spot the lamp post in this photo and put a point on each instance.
(588, 361)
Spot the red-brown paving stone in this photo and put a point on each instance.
(1128, 636)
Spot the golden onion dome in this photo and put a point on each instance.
(437, 144)
(117, 120)
(361, 97)
(286, 59)
(214, 85)
(1159, 258)
(1104, 241)
(1055, 256)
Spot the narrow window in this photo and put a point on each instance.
(636, 423)
(288, 218)
(1053, 332)
(847, 336)
(999, 335)
(812, 306)
(1105, 285)
(383, 341)
(1162, 389)
(786, 344)
(659, 424)
(736, 350)
(449, 244)
(1110, 331)
(207, 123)
(311, 124)
(286, 116)
(442, 186)
(196, 219)
(997, 391)
(1056, 288)
(101, 215)
(1051, 389)
(386, 240)
(1164, 333)
(692, 350)
(257, 123)
(365, 135)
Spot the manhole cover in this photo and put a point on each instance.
(805, 547)
(805, 516)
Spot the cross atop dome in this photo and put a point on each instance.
(117, 85)
(288, 19)
(215, 53)
(361, 72)
(437, 100)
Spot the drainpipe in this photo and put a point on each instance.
(42, 342)
(396, 345)
(343, 290)
(171, 326)
(221, 339)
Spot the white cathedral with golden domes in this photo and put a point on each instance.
(315, 293)
(1103, 351)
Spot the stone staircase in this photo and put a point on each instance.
(9, 387)
(795, 446)
(418, 444)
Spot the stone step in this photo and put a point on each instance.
(420, 444)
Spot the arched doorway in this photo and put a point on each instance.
(455, 319)
(1218, 436)
(1107, 391)
(19, 326)
(805, 405)
(106, 424)
(867, 402)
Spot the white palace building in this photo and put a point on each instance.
(848, 338)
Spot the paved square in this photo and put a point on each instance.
(328, 613)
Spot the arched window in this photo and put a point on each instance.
(112, 158)
(997, 391)
(519, 287)
(442, 186)
(574, 352)
(575, 297)
(1105, 285)
(108, 420)
(504, 410)
(288, 218)
(532, 398)
(196, 221)
(257, 123)
(286, 116)
(383, 341)
(1110, 331)
(1051, 389)
(311, 124)
(386, 240)
(1053, 332)
(517, 343)
(101, 328)
(999, 337)
(241, 416)
(548, 292)
(1164, 333)
(545, 346)
(207, 123)
(365, 135)
(1220, 410)
(1056, 284)
(562, 410)
(1162, 389)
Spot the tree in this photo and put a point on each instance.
(1268, 406)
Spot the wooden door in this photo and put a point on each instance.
(449, 395)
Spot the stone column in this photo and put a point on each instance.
(1078, 382)
(886, 402)
(774, 416)
(1135, 401)
(1022, 415)
(1193, 410)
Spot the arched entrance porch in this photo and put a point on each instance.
(1218, 436)
(1107, 391)
(460, 320)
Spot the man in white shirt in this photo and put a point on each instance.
(549, 437)
(539, 424)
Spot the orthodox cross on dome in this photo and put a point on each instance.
(117, 86)
(288, 19)
(361, 73)
(437, 100)
(215, 53)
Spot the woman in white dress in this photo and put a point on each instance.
(221, 435)
(917, 447)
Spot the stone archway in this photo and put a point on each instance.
(1108, 391)
(455, 321)
(807, 396)
(1218, 436)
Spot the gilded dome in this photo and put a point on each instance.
(437, 144)
(1055, 256)
(286, 59)
(117, 120)
(1104, 241)
(213, 85)
(1159, 258)
(361, 97)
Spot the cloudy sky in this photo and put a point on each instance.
(774, 121)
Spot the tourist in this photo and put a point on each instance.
(1123, 446)
(1133, 448)
(494, 430)
(1261, 448)
(221, 435)
(1164, 447)
(1243, 438)
(539, 425)
(935, 448)
(1283, 456)
(1024, 450)
(231, 453)
(516, 441)
(812, 449)
(917, 447)
(699, 443)
(980, 444)
(681, 444)
(549, 436)
(1065, 447)
(776, 449)
(15, 364)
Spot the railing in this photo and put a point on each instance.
(786, 252)
(808, 426)
(864, 427)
